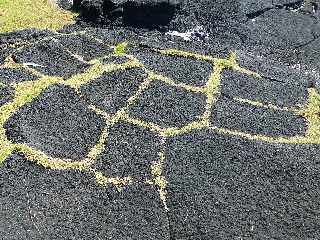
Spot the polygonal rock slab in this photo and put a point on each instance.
(180, 69)
(223, 187)
(274, 70)
(37, 203)
(280, 93)
(111, 91)
(130, 151)
(57, 122)
(25, 36)
(244, 117)
(168, 106)
(272, 28)
(86, 47)
(50, 58)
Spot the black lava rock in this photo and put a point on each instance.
(147, 13)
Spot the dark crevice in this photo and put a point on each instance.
(226, 96)
(171, 234)
(256, 14)
(147, 16)
(311, 83)
(146, 46)
(138, 14)
(315, 7)
(14, 58)
(272, 79)
(306, 44)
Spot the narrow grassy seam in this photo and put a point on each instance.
(49, 162)
(159, 179)
(312, 114)
(118, 182)
(267, 106)
(170, 82)
(179, 53)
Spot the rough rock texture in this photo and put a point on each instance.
(227, 188)
(207, 129)
(57, 122)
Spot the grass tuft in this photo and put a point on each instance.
(120, 49)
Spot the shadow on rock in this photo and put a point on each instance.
(150, 14)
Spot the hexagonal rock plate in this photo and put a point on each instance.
(111, 91)
(248, 118)
(49, 57)
(280, 93)
(276, 71)
(179, 69)
(272, 28)
(130, 151)
(41, 204)
(223, 187)
(168, 106)
(57, 122)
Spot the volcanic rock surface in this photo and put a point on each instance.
(202, 122)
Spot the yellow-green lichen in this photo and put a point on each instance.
(120, 49)
(158, 178)
(169, 81)
(267, 106)
(120, 183)
(196, 125)
(145, 84)
(23, 14)
(312, 114)
(185, 54)
(50, 162)
(100, 146)
(148, 125)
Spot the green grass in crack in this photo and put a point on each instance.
(120, 49)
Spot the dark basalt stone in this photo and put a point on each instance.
(57, 122)
(145, 13)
